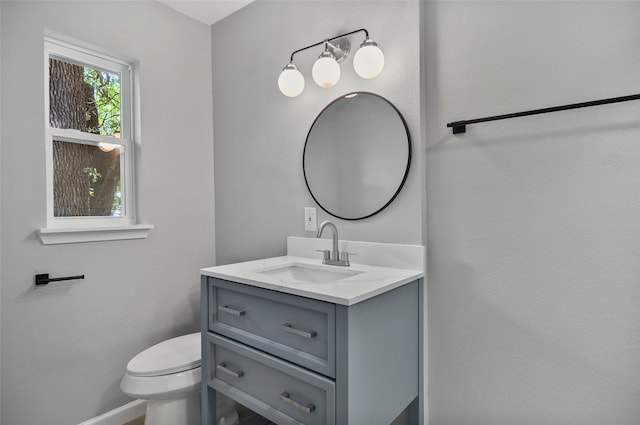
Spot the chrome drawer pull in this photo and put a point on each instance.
(226, 309)
(306, 409)
(223, 368)
(288, 328)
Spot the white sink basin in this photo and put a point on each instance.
(293, 273)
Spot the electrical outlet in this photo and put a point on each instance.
(310, 220)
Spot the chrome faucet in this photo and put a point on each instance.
(333, 257)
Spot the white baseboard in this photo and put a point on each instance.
(120, 415)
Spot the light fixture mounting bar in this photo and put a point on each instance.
(366, 33)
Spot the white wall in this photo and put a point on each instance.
(533, 223)
(65, 346)
(260, 133)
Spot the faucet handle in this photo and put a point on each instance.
(326, 254)
(344, 256)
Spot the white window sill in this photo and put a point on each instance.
(52, 236)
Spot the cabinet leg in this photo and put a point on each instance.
(414, 412)
(208, 407)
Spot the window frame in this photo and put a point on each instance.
(93, 228)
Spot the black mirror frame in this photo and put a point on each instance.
(406, 171)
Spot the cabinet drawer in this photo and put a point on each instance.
(294, 328)
(276, 389)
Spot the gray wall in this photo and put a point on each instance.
(534, 223)
(65, 347)
(259, 133)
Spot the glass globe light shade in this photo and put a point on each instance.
(291, 81)
(369, 60)
(326, 71)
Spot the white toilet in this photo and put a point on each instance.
(168, 376)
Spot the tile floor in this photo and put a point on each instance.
(136, 421)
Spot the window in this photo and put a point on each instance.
(89, 142)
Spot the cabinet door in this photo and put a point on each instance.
(294, 328)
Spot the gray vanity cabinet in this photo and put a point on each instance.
(296, 360)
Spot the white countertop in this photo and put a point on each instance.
(348, 290)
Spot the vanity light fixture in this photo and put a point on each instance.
(368, 62)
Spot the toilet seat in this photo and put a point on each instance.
(169, 357)
(168, 377)
(163, 387)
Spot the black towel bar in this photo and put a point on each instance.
(461, 126)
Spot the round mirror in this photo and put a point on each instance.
(356, 157)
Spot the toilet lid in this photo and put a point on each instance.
(171, 356)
